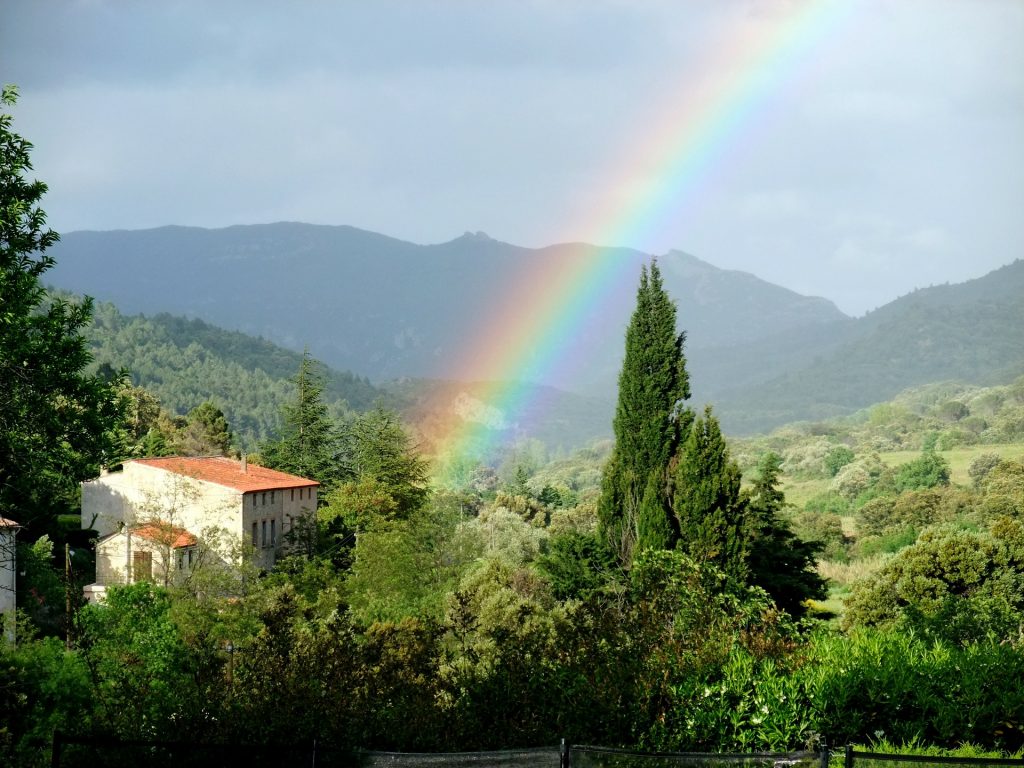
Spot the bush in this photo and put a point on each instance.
(837, 458)
(952, 584)
(981, 466)
(926, 471)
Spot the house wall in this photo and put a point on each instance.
(7, 576)
(139, 493)
(114, 560)
(269, 515)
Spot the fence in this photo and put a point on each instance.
(72, 751)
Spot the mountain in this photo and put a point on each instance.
(185, 362)
(388, 309)
(971, 332)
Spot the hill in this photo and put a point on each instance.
(390, 309)
(186, 362)
(972, 332)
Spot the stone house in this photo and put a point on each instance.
(154, 515)
(8, 568)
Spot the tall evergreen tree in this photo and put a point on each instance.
(634, 509)
(709, 509)
(778, 560)
(308, 442)
(56, 422)
(376, 446)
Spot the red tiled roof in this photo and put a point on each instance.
(228, 472)
(161, 533)
(5, 523)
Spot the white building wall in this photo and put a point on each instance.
(141, 493)
(8, 568)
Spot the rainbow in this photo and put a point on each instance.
(531, 333)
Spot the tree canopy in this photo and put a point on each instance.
(634, 510)
(56, 421)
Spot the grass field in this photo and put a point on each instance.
(959, 458)
(799, 491)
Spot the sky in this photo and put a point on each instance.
(884, 153)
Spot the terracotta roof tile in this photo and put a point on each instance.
(228, 472)
(162, 533)
(5, 523)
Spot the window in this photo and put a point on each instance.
(142, 566)
(264, 498)
(190, 557)
(273, 533)
(264, 533)
(181, 561)
(272, 493)
(254, 501)
(293, 495)
(254, 526)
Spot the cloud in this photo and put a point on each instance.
(929, 240)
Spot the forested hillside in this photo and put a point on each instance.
(389, 309)
(187, 362)
(973, 333)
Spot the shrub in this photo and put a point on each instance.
(982, 465)
(837, 458)
(952, 584)
(926, 471)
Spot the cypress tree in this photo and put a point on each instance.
(707, 503)
(634, 510)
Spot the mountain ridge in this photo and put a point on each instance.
(390, 309)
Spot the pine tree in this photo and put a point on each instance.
(778, 560)
(634, 510)
(308, 443)
(708, 507)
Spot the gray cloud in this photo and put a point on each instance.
(888, 158)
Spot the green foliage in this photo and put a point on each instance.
(911, 510)
(56, 422)
(837, 458)
(914, 690)
(147, 683)
(308, 444)
(649, 420)
(43, 687)
(953, 584)
(406, 569)
(982, 465)
(1003, 490)
(207, 432)
(383, 478)
(576, 565)
(824, 529)
(39, 587)
(375, 445)
(710, 514)
(778, 560)
(927, 471)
